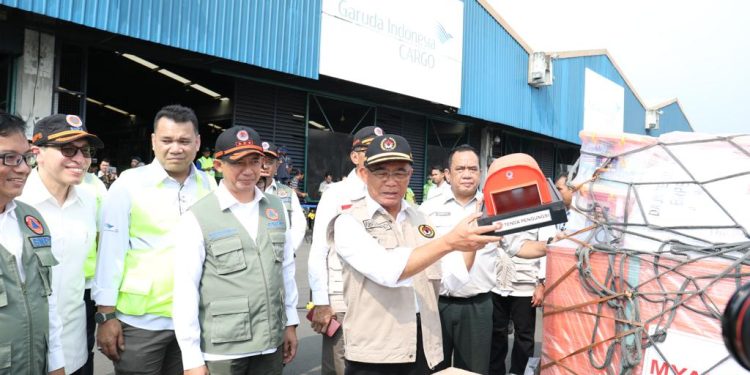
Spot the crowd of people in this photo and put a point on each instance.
(188, 265)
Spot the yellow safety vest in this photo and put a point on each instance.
(148, 274)
(207, 165)
(97, 188)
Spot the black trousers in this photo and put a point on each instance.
(523, 315)
(419, 367)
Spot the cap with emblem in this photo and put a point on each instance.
(61, 129)
(270, 149)
(388, 148)
(364, 136)
(237, 142)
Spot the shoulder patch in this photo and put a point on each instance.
(426, 231)
(34, 224)
(272, 214)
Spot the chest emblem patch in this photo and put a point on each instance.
(272, 214)
(426, 231)
(34, 224)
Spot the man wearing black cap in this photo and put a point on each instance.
(235, 295)
(64, 149)
(324, 267)
(390, 277)
(270, 185)
(27, 309)
(206, 162)
(134, 277)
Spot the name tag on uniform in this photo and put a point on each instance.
(371, 224)
(40, 241)
(441, 214)
(275, 224)
(222, 233)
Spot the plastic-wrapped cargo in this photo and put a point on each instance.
(662, 243)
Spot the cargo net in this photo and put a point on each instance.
(656, 243)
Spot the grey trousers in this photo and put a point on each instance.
(149, 352)
(267, 364)
(467, 332)
(332, 361)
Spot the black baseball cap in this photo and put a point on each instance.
(364, 136)
(61, 129)
(388, 148)
(270, 149)
(236, 142)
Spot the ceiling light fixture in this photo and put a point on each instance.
(173, 76)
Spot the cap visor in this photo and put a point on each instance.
(390, 156)
(93, 140)
(237, 155)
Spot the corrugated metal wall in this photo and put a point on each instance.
(569, 91)
(672, 119)
(282, 35)
(494, 81)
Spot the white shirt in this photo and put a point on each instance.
(337, 195)
(517, 276)
(189, 270)
(365, 254)
(73, 228)
(441, 189)
(324, 186)
(12, 240)
(115, 240)
(445, 212)
(299, 223)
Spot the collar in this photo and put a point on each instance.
(10, 209)
(448, 196)
(157, 174)
(373, 207)
(35, 192)
(227, 200)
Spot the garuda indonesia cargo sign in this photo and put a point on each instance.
(412, 47)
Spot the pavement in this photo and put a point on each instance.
(307, 361)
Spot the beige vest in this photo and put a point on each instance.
(380, 324)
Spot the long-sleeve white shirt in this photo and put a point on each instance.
(299, 222)
(115, 240)
(365, 254)
(73, 229)
(516, 276)
(12, 239)
(335, 197)
(445, 212)
(189, 270)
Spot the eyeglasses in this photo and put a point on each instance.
(14, 159)
(384, 175)
(70, 151)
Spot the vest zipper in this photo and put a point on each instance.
(265, 283)
(24, 291)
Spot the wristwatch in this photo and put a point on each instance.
(100, 317)
(540, 282)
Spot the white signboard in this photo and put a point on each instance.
(412, 47)
(603, 104)
(689, 354)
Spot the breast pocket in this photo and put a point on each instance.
(230, 320)
(278, 240)
(46, 260)
(229, 255)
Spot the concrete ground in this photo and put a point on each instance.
(307, 361)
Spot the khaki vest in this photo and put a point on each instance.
(241, 308)
(285, 194)
(380, 324)
(24, 312)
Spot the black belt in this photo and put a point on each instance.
(474, 298)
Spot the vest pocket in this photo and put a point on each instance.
(5, 358)
(230, 320)
(277, 239)
(46, 261)
(3, 293)
(229, 255)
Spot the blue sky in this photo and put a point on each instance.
(697, 51)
